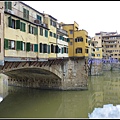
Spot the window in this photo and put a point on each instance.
(52, 48)
(8, 5)
(50, 22)
(31, 47)
(33, 30)
(0, 44)
(51, 34)
(35, 47)
(54, 35)
(23, 46)
(11, 44)
(44, 48)
(41, 48)
(78, 50)
(86, 50)
(98, 55)
(0, 18)
(71, 31)
(41, 31)
(57, 36)
(86, 40)
(38, 17)
(97, 49)
(46, 33)
(25, 14)
(79, 39)
(22, 27)
(70, 43)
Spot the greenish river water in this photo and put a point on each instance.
(101, 100)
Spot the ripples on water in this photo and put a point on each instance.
(101, 100)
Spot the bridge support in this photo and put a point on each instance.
(65, 74)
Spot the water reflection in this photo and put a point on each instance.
(101, 100)
(3, 86)
(104, 90)
(108, 111)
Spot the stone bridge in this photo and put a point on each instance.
(61, 74)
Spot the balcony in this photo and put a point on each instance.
(18, 13)
(62, 31)
(110, 43)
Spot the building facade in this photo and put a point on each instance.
(27, 34)
(78, 45)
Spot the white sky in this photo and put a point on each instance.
(93, 16)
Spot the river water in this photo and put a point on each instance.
(101, 100)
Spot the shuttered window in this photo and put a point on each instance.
(35, 47)
(10, 21)
(8, 5)
(46, 33)
(6, 44)
(48, 49)
(51, 34)
(62, 50)
(41, 31)
(68, 40)
(28, 46)
(0, 18)
(25, 14)
(18, 45)
(41, 48)
(35, 30)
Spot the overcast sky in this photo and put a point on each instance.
(93, 16)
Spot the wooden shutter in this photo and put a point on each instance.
(28, 46)
(48, 49)
(18, 45)
(6, 44)
(35, 47)
(17, 24)
(10, 21)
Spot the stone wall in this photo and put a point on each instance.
(95, 69)
(69, 75)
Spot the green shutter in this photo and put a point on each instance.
(24, 27)
(35, 47)
(63, 38)
(60, 37)
(62, 50)
(17, 24)
(36, 31)
(10, 21)
(68, 40)
(24, 13)
(28, 46)
(46, 33)
(29, 28)
(48, 49)
(21, 45)
(27, 14)
(6, 5)
(18, 45)
(6, 44)
(10, 5)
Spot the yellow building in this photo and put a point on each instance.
(25, 34)
(51, 22)
(78, 45)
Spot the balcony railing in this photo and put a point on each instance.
(19, 13)
(62, 31)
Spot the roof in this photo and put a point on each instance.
(52, 17)
(31, 8)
